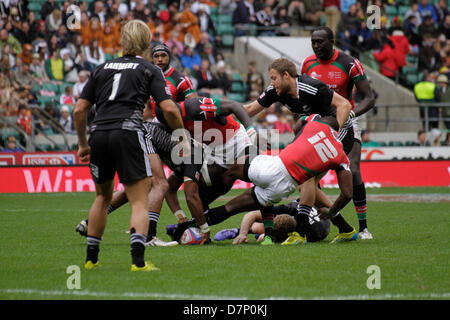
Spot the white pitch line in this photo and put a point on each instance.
(87, 293)
(176, 296)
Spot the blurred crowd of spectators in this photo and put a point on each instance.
(69, 39)
(65, 41)
(401, 36)
(423, 31)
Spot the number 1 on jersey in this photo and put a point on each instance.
(115, 86)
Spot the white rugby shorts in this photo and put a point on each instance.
(272, 181)
(226, 154)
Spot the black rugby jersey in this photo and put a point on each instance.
(160, 139)
(314, 96)
(120, 88)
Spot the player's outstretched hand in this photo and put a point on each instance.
(84, 153)
(240, 239)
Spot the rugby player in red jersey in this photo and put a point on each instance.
(315, 150)
(342, 73)
(180, 86)
(223, 140)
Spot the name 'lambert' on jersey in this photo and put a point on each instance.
(120, 65)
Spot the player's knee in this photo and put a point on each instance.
(347, 192)
(161, 185)
(356, 171)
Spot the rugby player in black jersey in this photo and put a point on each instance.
(120, 89)
(302, 94)
(180, 88)
(202, 113)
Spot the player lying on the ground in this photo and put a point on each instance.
(314, 150)
(284, 226)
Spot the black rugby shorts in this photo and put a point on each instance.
(121, 151)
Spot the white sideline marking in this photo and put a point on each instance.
(155, 295)
(87, 293)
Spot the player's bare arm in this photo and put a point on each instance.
(247, 221)
(171, 114)
(343, 108)
(228, 107)
(368, 101)
(80, 122)
(171, 194)
(253, 108)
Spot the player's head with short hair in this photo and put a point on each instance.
(161, 55)
(135, 37)
(282, 73)
(332, 121)
(322, 42)
(282, 65)
(326, 30)
(283, 224)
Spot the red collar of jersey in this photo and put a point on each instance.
(333, 58)
(169, 71)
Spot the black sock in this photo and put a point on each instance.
(302, 224)
(267, 216)
(111, 208)
(217, 215)
(210, 194)
(339, 221)
(153, 218)
(360, 202)
(137, 241)
(302, 218)
(181, 227)
(93, 248)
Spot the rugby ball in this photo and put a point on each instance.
(191, 236)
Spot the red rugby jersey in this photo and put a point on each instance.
(205, 114)
(315, 149)
(340, 73)
(178, 85)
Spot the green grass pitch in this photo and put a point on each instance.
(410, 251)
